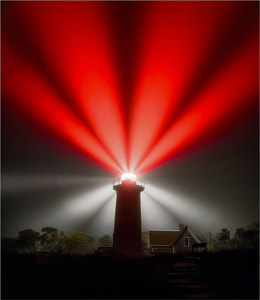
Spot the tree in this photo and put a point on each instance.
(144, 240)
(27, 240)
(78, 243)
(247, 238)
(239, 234)
(223, 235)
(105, 241)
(49, 238)
(81, 241)
(65, 244)
(211, 242)
(209, 238)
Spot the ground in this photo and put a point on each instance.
(213, 276)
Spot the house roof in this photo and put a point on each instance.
(165, 237)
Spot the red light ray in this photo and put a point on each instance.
(180, 93)
(36, 97)
(232, 89)
(173, 52)
(79, 52)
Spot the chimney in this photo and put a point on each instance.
(181, 226)
(127, 238)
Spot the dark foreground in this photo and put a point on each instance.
(232, 275)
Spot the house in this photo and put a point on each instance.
(173, 241)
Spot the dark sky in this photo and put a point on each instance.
(210, 185)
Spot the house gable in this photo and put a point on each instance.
(185, 242)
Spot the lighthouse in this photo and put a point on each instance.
(127, 239)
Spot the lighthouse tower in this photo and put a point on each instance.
(127, 239)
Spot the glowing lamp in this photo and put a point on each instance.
(128, 176)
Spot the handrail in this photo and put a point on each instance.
(140, 183)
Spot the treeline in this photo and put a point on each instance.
(243, 238)
(52, 240)
(80, 243)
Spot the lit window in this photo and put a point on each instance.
(186, 241)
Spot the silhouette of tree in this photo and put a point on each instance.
(65, 244)
(210, 238)
(247, 238)
(78, 243)
(81, 240)
(223, 235)
(105, 241)
(144, 239)
(239, 234)
(27, 240)
(243, 238)
(49, 238)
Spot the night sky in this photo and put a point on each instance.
(162, 65)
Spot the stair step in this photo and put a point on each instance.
(180, 280)
(185, 265)
(182, 274)
(192, 287)
(199, 296)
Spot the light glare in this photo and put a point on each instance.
(128, 176)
